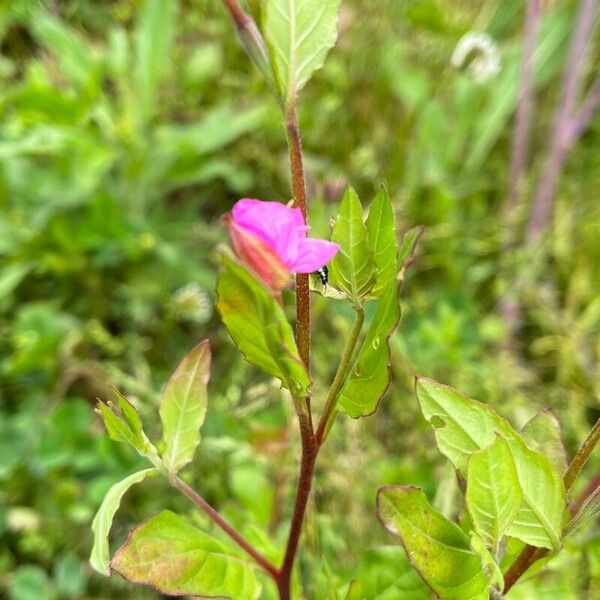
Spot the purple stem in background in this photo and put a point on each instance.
(561, 139)
(520, 141)
(589, 107)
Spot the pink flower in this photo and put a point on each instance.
(271, 238)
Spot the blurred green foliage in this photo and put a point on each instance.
(126, 131)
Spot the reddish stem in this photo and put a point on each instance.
(307, 466)
(299, 195)
(205, 507)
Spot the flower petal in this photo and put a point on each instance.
(280, 226)
(312, 255)
(259, 256)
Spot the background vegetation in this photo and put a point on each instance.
(127, 130)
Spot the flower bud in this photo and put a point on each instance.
(259, 256)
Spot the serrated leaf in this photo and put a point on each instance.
(493, 491)
(589, 510)
(542, 433)
(259, 326)
(183, 407)
(100, 556)
(170, 554)
(437, 548)
(370, 375)
(381, 225)
(353, 268)
(463, 426)
(123, 424)
(299, 33)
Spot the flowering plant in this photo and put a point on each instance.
(271, 238)
(515, 484)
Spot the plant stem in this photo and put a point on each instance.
(340, 376)
(582, 455)
(587, 111)
(509, 306)
(520, 141)
(299, 195)
(205, 507)
(307, 467)
(531, 554)
(561, 140)
(303, 318)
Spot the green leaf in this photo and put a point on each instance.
(170, 554)
(463, 426)
(74, 57)
(217, 128)
(353, 268)
(183, 407)
(259, 327)
(124, 425)
(385, 573)
(154, 31)
(382, 240)
(589, 510)
(493, 491)
(354, 591)
(29, 582)
(299, 33)
(543, 434)
(100, 556)
(490, 566)
(437, 548)
(370, 374)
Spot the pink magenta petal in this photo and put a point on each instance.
(312, 255)
(280, 226)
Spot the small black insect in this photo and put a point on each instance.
(323, 274)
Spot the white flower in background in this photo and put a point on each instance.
(191, 303)
(479, 53)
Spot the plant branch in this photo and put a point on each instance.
(205, 507)
(307, 466)
(338, 380)
(531, 554)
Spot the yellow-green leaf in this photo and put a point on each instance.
(353, 269)
(463, 426)
(437, 548)
(259, 326)
(370, 375)
(299, 34)
(179, 559)
(183, 407)
(382, 240)
(493, 491)
(100, 556)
